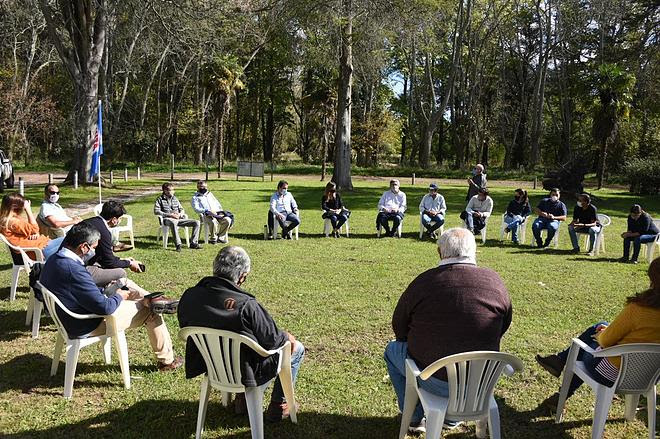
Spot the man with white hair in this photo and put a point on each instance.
(452, 308)
(391, 207)
(218, 302)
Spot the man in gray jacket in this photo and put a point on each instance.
(168, 207)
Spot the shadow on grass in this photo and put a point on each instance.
(13, 325)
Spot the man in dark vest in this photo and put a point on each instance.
(218, 302)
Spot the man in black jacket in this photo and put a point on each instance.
(218, 302)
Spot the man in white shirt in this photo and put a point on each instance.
(432, 208)
(477, 211)
(284, 208)
(210, 210)
(52, 216)
(391, 207)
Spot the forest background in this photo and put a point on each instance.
(436, 85)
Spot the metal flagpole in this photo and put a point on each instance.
(100, 133)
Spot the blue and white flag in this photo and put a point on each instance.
(97, 149)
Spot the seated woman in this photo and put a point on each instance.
(641, 230)
(21, 232)
(516, 213)
(333, 208)
(638, 322)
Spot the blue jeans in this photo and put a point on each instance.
(513, 222)
(637, 245)
(590, 362)
(396, 353)
(52, 247)
(432, 222)
(475, 224)
(383, 219)
(544, 223)
(592, 231)
(336, 219)
(296, 360)
(291, 217)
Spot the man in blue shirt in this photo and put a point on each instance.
(66, 277)
(551, 212)
(284, 209)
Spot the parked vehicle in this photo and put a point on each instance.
(6, 172)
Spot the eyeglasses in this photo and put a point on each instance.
(54, 192)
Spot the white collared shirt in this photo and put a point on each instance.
(392, 201)
(462, 260)
(430, 203)
(203, 202)
(284, 204)
(485, 207)
(65, 252)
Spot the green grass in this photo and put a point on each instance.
(337, 297)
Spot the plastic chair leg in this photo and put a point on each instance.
(651, 401)
(16, 271)
(132, 238)
(59, 344)
(122, 351)
(409, 403)
(286, 380)
(631, 406)
(254, 397)
(434, 421)
(604, 397)
(494, 420)
(346, 225)
(72, 354)
(185, 230)
(203, 404)
(36, 317)
(166, 233)
(107, 350)
(225, 398)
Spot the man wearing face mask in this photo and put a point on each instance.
(476, 182)
(65, 276)
(585, 220)
(432, 208)
(284, 208)
(477, 211)
(391, 207)
(551, 212)
(169, 208)
(210, 210)
(53, 220)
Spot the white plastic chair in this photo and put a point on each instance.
(651, 246)
(221, 351)
(73, 346)
(555, 239)
(639, 373)
(276, 227)
(206, 226)
(422, 229)
(522, 229)
(164, 231)
(599, 245)
(483, 232)
(327, 226)
(128, 227)
(472, 377)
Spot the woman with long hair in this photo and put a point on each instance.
(21, 232)
(638, 322)
(333, 208)
(641, 230)
(516, 213)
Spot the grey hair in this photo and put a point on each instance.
(231, 262)
(457, 243)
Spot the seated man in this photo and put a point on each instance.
(53, 220)
(432, 208)
(168, 207)
(65, 276)
(453, 308)
(391, 207)
(477, 211)
(550, 211)
(284, 208)
(585, 220)
(218, 302)
(217, 220)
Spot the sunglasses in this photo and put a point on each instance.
(54, 192)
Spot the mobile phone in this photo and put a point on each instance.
(142, 267)
(154, 295)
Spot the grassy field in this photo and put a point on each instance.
(337, 297)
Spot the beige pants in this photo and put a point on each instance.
(219, 227)
(132, 314)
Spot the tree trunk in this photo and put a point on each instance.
(342, 170)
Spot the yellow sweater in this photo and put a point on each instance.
(634, 324)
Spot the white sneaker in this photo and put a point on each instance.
(417, 428)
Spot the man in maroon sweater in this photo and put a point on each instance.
(453, 308)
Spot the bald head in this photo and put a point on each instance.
(457, 243)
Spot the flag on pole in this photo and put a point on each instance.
(97, 149)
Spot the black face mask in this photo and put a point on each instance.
(202, 191)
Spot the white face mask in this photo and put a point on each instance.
(90, 254)
(284, 191)
(579, 203)
(54, 198)
(395, 189)
(554, 198)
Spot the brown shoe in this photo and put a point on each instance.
(121, 247)
(551, 363)
(164, 305)
(240, 406)
(175, 364)
(277, 411)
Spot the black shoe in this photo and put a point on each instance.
(551, 402)
(576, 250)
(539, 243)
(212, 241)
(623, 260)
(552, 363)
(178, 247)
(507, 230)
(633, 261)
(547, 243)
(195, 246)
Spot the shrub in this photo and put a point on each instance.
(643, 175)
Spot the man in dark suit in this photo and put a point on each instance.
(65, 276)
(218, 302)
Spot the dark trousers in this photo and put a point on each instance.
(337, 219)
(637, 245)
(384, 218)
(292, 218)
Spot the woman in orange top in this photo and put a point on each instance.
(638, 322)
(21, 232)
